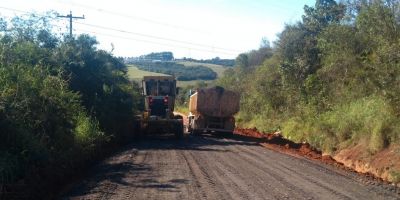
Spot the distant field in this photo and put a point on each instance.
(219, 69)
(136, 74)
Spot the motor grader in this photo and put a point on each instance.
(158, 117)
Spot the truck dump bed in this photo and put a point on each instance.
(214, 102)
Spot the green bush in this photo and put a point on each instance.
(61, 102)
(87, 132)
(37, 121)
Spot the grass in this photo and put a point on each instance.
(219, 69)
(184, 109)
(368, 119)
(395, 176)
(136, 74)
(190, 83)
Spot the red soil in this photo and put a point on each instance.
(275, 141)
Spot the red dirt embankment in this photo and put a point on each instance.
(382, 164)
(275, 141)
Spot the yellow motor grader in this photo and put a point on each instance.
(159, 100)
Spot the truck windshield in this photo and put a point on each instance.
(159, 88)
(165, 88)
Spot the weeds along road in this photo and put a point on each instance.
(207, 167)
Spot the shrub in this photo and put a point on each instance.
(37, 112)
(60, 103)
(87, 132)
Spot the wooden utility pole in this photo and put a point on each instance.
(70, 21)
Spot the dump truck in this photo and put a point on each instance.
(159, 101)
(212, 110)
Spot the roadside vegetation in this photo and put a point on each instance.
(62, 103)
(331, 79)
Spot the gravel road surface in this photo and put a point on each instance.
(206, 167)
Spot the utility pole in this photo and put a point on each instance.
(70, 21)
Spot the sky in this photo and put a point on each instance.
(199, 29)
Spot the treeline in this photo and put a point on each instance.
(155, 56)
(62, 102)
(160, 56)
(331, 79)
(169, 56)
(216, 61)
(181, 72)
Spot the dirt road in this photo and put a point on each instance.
(219, 168)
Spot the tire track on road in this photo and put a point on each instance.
(217, 168)
(313, 176)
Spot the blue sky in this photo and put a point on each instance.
(189, 28)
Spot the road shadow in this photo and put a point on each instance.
(105, 178)
(204, 142)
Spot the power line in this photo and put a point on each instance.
(70, 21)
(147, 35)
(156, 37)
(15, 10)
(136, 17)
(147, 41)
(152, 42)
(233, 52)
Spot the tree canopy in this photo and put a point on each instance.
(61, 101)
(327, 76)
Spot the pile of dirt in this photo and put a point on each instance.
(277, 142)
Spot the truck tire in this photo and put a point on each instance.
(178, 130)
(228, 134)
(136, 129)
(196, 132)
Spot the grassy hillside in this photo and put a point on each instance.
(180, 71)
(191, 83)
(136, 74)
(219, 69)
